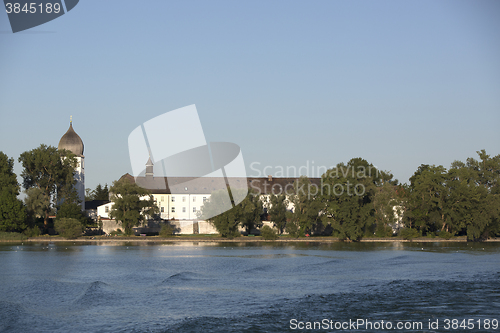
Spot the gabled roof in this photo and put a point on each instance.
(95, 203)
(207, 185)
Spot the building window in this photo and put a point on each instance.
(204, 199)
(173, 199)
(183, 199)
(183, 209)
(173, 209)
(194, 209)
(194, 199)
(106, 209)
(162, 198)
(162, 209)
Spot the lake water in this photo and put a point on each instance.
(249, 287)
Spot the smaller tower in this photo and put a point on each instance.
(149, 168)
(72, 142)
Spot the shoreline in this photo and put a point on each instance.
(152, 239)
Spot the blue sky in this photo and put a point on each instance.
(398, 83)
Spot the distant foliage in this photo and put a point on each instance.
(68, 227)
(268, 233)
(99, 193)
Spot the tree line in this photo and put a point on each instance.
(354, 200)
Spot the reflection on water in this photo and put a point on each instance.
(231, 287)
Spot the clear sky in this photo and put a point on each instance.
(293, 83)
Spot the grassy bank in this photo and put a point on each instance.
(11, 236)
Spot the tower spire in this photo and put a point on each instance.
(70, 119)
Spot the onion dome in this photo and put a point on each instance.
(71, 141)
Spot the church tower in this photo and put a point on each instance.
(72, 142)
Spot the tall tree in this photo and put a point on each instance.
(251, 210)
(36, 204)
(347, 194)
(278, 211)
(132, 204)
(473, 203)
(427, 197)
(49, 170)
(226, 218)
(306, 208)
(12, 211)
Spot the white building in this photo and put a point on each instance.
(180, 199)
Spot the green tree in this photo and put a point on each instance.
(12, 210)
(348, 193)
(132, 204)
(473, 203)
(251, 210)
(69, 204)
(226, 218)
(70, 208)
(49, 170)
(219, 211)
(278, 211)
(306, 208)
(428, 193)
(36, 203)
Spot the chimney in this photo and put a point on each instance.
(270, 178)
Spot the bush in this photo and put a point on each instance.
(68, 227)
(32, 232)
(167, 231)
(11, 236)
(268, 233)
(445, 235)
(116, 232)
(407, 233)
